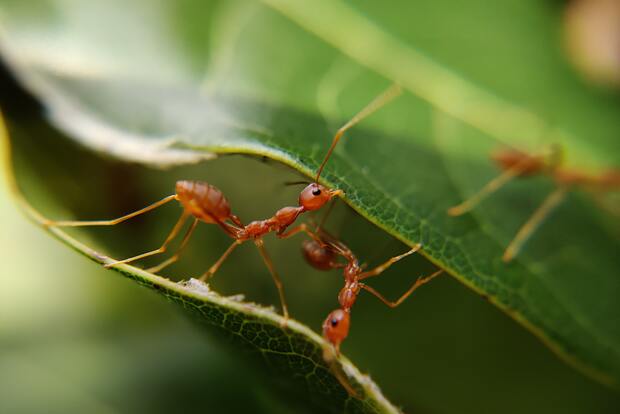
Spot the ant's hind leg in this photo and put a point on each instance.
(419, 282)
(298, 229)
(489, 188)
(533, 223)
(176, 255)
(175, 230)
(219, 262)
(554, 155)
(381, 268)
(79, 223)
(276, 278)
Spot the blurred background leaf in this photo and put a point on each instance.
(95, 87)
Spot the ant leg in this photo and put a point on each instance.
(554, 154)
(381, 100)
(175, 230)
(298, 229)
(489, 188)
(219, 262)
(325, 215)
(533, 223)
(419, 282)
(276, 279)
(381, 268)
(51, 223)
(176, 255)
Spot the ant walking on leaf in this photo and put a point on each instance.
(518, 164)
(205, 202)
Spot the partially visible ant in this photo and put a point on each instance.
(205, 202)
(518, 164)
(323, 253)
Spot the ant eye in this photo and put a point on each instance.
(316, 191)
(334, 322)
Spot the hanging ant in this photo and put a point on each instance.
(518, 164)
(323, 253)
(205, 202)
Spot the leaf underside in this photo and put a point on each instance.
(401, 170)
(290, 349)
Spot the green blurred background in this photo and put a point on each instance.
(77, 338)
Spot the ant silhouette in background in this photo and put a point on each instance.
(518, 164)
(205, 202)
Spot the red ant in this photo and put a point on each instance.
(516, 163)
(322, 254)
(205, 202)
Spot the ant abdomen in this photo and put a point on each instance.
(203, 200)
(317, 256)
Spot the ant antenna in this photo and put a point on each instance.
(300, 182)
(381, 100)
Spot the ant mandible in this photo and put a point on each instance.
(205, 202)
(518, 164)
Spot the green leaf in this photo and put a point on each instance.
(260, 80)
(289, 348)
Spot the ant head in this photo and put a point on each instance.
(336, 326)
(314, 196)
(317, 256)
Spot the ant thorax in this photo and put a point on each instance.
(352, 270)
(348, 294)
(254, 229)
(278, 223)
(287, 216)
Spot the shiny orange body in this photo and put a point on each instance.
(336, 325)
(322, 254)
(206, 202)
(203, 201)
